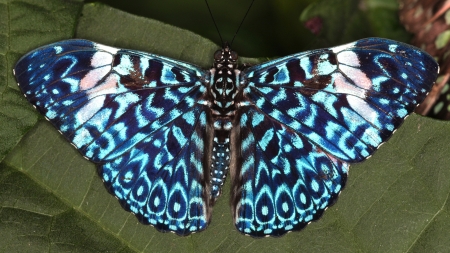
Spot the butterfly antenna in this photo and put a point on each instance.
(214, 21)
(248, 10)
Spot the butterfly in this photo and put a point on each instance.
(165, 133)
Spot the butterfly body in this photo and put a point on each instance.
(165, 133)
(223, 87)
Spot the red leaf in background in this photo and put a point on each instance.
(315, 25)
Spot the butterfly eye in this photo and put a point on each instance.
(218, 55)
(233, 56)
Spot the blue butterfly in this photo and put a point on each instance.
(164, 133)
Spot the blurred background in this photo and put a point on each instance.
(275, 27)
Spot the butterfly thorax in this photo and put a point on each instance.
(223, 81)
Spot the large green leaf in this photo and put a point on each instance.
(51, 198)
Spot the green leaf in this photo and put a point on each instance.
(51, 198)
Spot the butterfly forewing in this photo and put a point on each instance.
(347, 99)
(162, 130)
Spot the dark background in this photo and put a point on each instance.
(272, 28)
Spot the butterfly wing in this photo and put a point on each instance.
(283, 179)
(305, 117)
(134, 114)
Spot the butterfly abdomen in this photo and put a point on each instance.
(220, 162)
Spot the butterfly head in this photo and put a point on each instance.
(225, 58)
(225, 72)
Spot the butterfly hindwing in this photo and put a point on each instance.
(161, 179)
(303, 117)
(137, 116)
(283, 180)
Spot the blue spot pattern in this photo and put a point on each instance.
(164, 133)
